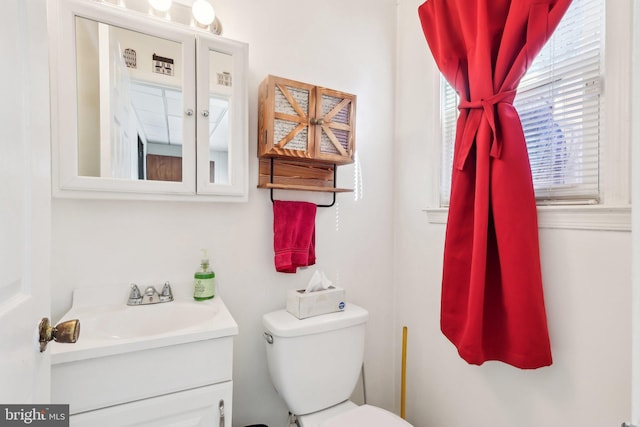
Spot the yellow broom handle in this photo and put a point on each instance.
(403, 380)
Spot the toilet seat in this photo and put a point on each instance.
(365, 415)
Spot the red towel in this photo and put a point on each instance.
(294, 235)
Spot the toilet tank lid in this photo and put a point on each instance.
(281, 323)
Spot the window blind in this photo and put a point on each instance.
(560, 105)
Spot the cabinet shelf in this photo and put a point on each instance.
(285, 174)
(279, 174)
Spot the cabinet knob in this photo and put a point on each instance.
(205, 113)
(189, 112)
(315, 121)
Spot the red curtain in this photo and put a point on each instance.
(492, 304)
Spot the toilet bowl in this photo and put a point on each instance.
(315, 364)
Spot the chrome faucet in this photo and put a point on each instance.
(151, 296)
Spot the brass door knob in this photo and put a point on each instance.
(66, 332)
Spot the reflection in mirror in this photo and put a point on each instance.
(220, 89)
(129, 88)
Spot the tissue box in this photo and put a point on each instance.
(309, 304)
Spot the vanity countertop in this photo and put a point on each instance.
(108, 326)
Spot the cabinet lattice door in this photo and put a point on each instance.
(335, 125)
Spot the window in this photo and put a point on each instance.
(560, 105)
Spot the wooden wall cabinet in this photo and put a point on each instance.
(304, 133)
(305, 122)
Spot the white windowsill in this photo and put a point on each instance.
(611, 218)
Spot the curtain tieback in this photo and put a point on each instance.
(473, 123)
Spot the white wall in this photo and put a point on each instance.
(587, 276)
(348, 46)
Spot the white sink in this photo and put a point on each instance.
(126, 353)
(121, 321)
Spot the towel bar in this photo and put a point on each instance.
(320, 206)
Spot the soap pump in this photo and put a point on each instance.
(203, 286)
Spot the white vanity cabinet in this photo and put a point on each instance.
(145, 108)
(160, 365)
(188, 383)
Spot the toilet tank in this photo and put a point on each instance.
(315, 362)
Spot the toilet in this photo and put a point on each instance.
(315, 364)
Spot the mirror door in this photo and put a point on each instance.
(129, 83)
(222, 117)
(125, 102)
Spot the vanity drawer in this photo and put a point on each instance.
(198, 408)
(99, 382)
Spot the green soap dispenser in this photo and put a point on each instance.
(203, 286)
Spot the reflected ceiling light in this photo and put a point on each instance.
(203, 12)
(161, 5)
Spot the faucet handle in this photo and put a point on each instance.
(166, 294)
(134, 295)
(135, 292)
(166, 290)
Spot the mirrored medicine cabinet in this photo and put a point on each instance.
(145, 108)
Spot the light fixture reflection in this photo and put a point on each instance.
(203, 12)
(161, 5)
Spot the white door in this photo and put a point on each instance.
(25, 206)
